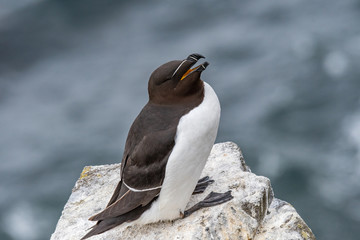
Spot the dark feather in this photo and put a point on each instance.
(110, 223)
(128, 201)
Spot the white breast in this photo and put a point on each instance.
(195, 137)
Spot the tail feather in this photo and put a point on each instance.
(103, 226)
(109, 223)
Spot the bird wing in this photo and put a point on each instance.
(143, 172)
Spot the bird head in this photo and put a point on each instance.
(177, 81)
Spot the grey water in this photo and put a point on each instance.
(73, 76)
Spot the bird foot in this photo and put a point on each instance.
(202, 184)
(211, 200)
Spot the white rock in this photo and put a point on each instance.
(283, 222)
(244, 217)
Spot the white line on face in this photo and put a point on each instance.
(177, 69)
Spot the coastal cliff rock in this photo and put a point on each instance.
(253, 213)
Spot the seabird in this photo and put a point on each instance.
(166, 150)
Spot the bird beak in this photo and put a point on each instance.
(199, 68)
(187, 64)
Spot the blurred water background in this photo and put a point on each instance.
(73, 76)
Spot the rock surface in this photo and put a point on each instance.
(253, 213)
(283, 222)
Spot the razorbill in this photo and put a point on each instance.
(166, 150)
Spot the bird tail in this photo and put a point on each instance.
(103, 226)
(108, 223)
